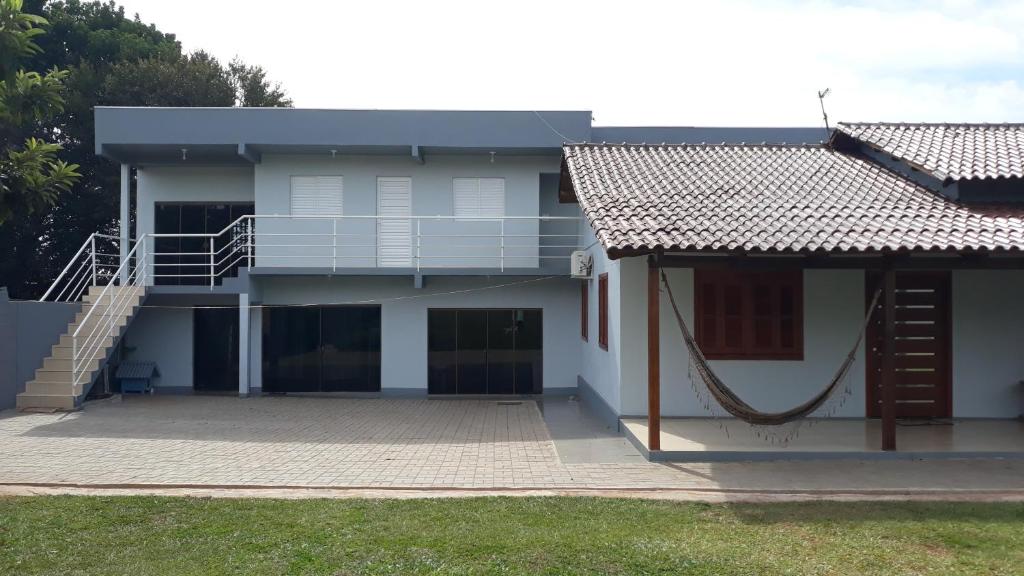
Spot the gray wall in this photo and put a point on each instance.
(432, 195)
(165, 335)
(28, 329)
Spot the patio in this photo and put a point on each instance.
(706, 439)
(447, 446)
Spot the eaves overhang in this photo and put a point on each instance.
(242, 135)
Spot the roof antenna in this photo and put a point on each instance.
(821, 100)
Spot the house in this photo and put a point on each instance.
(281, 251)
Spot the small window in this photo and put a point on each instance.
(602, 311)
(317, 195)
(749, 315)
(479, 197)
(585, 310)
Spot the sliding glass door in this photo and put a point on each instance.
(485, 351)
(321, 349)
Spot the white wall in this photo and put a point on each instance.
(164, 336)
(431, 196)
(601, 369)
(988, 343)
(189, 184)
(404, 321)
(833, 312)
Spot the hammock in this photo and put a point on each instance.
(732, 403)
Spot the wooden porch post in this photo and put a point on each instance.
(653, 357)
(889, 364)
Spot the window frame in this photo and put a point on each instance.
(602, 311)
(776, 282)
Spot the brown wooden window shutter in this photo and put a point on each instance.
(602, 311)
(749, 315)
(585, 310)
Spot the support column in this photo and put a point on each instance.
(653, 357)
(243, 345)
(126, 184)
(889, 363)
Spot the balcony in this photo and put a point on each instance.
(366, 245)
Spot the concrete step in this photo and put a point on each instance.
(35, 388)
(26, 401)
(100, 313)
(95, 292)
(57, 364)
(66, 341)
(96, 324)
(53, 376)
(58, 352)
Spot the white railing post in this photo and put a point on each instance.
(502, 232)
(93, 239)
(211, 263)
(419, 244)
(249, 228)
(334, 244)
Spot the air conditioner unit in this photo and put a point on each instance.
(582, 265)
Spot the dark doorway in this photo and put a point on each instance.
(496, 351)
(215, 350)
(321, 349)
(921, 347)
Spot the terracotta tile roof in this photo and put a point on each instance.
(768, 199)
(948, 151)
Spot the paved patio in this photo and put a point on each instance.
(340, 443)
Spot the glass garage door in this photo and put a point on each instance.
(321, 349)
(493, 351)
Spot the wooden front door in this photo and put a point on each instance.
(922, 346)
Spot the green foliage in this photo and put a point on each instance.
(111, 59)
(17, 30)
(34, 168)
(31, 175)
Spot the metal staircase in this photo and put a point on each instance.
(110, 298)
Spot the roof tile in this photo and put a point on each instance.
(953, 151)
(769, 198)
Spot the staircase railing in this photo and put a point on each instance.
(101, 321)
(94, 263)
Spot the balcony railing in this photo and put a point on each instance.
(335, 244)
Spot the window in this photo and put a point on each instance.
(479, 197)
(585, 310)
(316, 195)
(749, 315)
(602, 311)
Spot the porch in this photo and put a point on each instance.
(717, 440)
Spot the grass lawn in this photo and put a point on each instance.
(148, 535)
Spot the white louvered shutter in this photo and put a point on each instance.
(304, 196)
(394, 228)
(492, 198)
(467, 197)
(317, 195)
(479, 197)
(332, 194)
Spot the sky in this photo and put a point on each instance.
(729, 63)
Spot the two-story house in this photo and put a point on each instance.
(764, 271)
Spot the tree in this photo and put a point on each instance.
(111, 60)
(31, 175)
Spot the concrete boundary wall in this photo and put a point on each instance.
(28, 329)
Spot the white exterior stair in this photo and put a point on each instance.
(53, 387)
